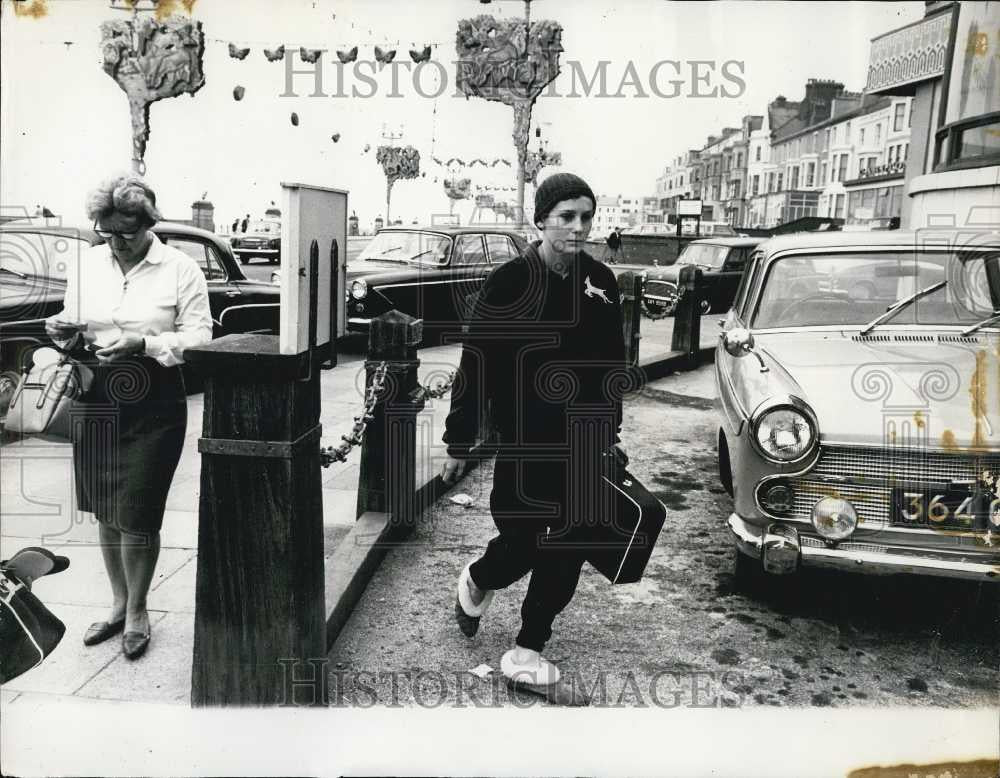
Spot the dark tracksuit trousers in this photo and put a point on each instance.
(542, 353)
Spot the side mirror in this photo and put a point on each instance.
(738, 342)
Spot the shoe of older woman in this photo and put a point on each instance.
(134, 644)
(467, 612)
(100, 631)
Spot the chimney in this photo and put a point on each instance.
(819, 99)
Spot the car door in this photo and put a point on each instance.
(728, 279)
(467, 271)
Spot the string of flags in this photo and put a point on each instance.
(473, 163)
(385, 56)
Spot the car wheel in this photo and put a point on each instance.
(8, 383)
(725, 468)
(749, 574)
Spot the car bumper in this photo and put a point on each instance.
(257, 252)
(782, 549)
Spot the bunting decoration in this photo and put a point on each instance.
(309, 55)
(347, 56)
(236, 53)
(511, 63)
(151, 60)
(398, 162)
(273, 55)
(420, 56)
(238, 93)
(335, 137)
(385, 57)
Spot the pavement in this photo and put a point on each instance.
(38, 509)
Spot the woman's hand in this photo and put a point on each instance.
(62, 329)
(129, 344)
(452, 470)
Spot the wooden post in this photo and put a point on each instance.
(388, 477)
(630, 290)
(260, 620)
(687, 315)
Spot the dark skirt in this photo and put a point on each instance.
(128, 433)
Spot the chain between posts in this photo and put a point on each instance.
(339, 453)
(374, 393)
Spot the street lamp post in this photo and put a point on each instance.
(521, 152)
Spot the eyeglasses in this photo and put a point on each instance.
(114, 233)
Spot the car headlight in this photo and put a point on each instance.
(359, 289)
(784, 434)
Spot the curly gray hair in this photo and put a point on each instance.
(126, 194)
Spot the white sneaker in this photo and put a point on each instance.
(526, 666)
(467, 613)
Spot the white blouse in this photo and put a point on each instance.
(164, 299)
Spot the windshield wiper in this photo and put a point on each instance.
(12, 272)
(899, 305)
(988, 320)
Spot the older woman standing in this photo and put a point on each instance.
(139, 304)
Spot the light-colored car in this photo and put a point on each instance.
(262, 239)
(860, 431)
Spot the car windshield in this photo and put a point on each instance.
(855, 289)
(425, 248)
(265, 228)
(704, 254)
(38, 255)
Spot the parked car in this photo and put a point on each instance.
(33, 264)
(846, 435)
(262, 239)
(430, 273)
(721, 258)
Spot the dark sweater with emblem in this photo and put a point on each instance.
(546, 356)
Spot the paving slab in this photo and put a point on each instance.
(71, 665)
(162, 675)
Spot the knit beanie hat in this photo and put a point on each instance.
(556, 188)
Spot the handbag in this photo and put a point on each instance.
(620, 545)
(29, 631)
(51, 380)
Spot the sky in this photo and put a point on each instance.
(65, 123)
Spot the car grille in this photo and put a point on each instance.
(878, 469)
(660, 289)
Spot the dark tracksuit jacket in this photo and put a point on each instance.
(544, 358)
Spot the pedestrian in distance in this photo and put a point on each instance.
(543, 347)
(236, 224)
(132, 306)
(244, 223)
(614, 241)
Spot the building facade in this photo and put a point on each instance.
(949, 63)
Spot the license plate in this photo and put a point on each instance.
(944, 509)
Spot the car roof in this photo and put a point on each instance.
(878, 239)
(88, 234)
(451, 230)
(737, 242)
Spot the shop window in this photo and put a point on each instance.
(969, 133)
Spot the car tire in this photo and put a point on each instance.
(8, 383)
(725, 467)
(749, 574)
